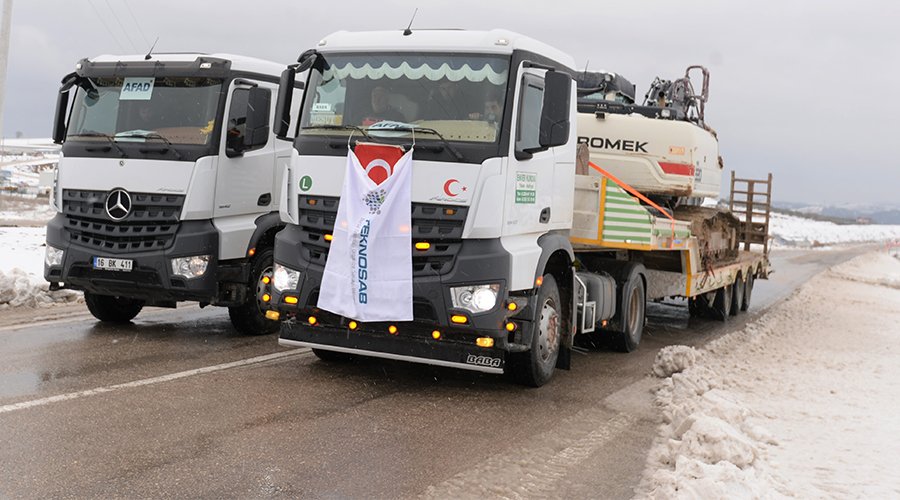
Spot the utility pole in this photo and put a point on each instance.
(5, 22)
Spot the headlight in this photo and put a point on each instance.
(475, 298)
(53, 256)
(285, 278)
(190, 267)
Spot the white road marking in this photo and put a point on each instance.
(150, 381)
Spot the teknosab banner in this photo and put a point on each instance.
(368, 274)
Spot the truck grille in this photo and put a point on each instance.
(150, 225)
(440, 225)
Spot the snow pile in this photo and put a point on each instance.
(22, 270)
(796, 404)
(791, 231)
(18, 290)
(673, 359)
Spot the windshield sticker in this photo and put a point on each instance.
(526, 187)
(137, 89)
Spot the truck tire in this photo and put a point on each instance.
(249, 318)
(634, 312)
(535, 366)
(699, 305)
(721, 306)
(748, 291)
(737, 295)
(112, 309)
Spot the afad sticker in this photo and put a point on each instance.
(137, 89)
(453, 190)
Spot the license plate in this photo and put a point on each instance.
(110, 264)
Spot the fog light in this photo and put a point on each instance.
(190, 267)
(484, 342)
(284, 278)
(53, 256)
(273, 315)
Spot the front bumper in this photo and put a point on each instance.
(484, 260)
(151, 278)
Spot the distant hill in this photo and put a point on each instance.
(844, 213)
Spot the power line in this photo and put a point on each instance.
(121, 26)
(103, 22)
(136, 23)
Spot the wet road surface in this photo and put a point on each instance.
(179, 405)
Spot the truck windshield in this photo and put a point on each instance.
(181, 110)
(460, 96)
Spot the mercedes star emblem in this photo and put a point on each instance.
(118, 204)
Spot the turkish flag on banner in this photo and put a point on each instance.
(368, 273)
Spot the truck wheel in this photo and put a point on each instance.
(535, 367)
(634, 310)
(748, 291)
(699, 305)
(721, 307)
(113, 309)
(333, 356)
(737, 295)
(249, 318)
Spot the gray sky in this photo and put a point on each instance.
(805, 90)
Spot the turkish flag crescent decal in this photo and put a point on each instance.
(368, 272)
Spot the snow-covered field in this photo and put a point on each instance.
(790, 231)
(800, 403)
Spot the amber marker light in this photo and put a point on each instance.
(312, 320)
(311, 201)
(436, 335)
(290, 299)
(251, 252)
(266, 297)
(353, 325)
(484, 342)
(392, 330)
(512, 306)
(266, 280)
(423, 245)
(328, 237)
(459, 319)
(539, 281)
(273, 315)
(510, 327)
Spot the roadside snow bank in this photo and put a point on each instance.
(22, 270)
(794, 404)
(791, 231)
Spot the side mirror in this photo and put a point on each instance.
(62, 105)
(256, 130)
(555, 125)
(283, 102)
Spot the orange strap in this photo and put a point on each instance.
(641, 197)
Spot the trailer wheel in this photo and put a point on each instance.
(249, 318)
(721, 307)
(748, 291)
(699, 305)
(110, 309)
(634, 310)
(535, 367)
(737, 295)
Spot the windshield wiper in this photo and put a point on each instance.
(407, 128)
(109, 138)
(152, 135)
(339, 127)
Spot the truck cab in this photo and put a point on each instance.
(489, 116)
(167, 185)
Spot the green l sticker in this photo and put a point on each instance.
(305, 183)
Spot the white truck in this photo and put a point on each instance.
(166, 188)
(518, 246)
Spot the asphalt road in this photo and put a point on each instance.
(178, 405)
